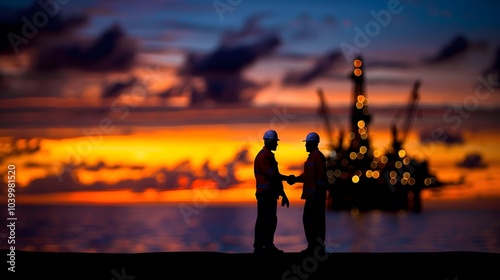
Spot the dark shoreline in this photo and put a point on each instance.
(454, 265)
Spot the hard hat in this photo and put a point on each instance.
(271, 135)
(312, 136)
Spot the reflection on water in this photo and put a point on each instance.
(156, 228)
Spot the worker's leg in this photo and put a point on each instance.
(265, 225)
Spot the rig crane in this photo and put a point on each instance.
(400, 136)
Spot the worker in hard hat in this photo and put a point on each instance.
(269, 187)
(314, 193)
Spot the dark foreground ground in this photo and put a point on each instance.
(212, 265)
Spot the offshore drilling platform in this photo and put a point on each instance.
(363, 178)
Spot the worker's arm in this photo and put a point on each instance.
(284, 198)
(300, 178)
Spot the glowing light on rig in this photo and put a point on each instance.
(406, 160)
(353, 155)
(384, 159)
(402, 153)
(361, 124)
(362, 149)
(357, 68)
(427, 181)
(376, 153)
(355, 179)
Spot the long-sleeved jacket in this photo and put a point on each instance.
(314, 176)
(267, 175)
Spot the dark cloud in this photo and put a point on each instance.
(292, 56)
(56, 45)
(111, 51)
(220, 73)
(456, 47)
(20, 31)
(101, 165)
(441, 136)
(391, 64)
(116, 89)
(321, 67)
(492, 72)
(472, 160)
(231, 59)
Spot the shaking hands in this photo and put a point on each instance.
(291, 179)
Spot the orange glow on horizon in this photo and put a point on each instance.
(141, 155)
(200, 195)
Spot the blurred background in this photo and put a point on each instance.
(133, 125)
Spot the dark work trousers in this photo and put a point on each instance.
(314, 220)
(267, 219)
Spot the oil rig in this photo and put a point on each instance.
(362, 178)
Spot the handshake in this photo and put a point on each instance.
(291, 179)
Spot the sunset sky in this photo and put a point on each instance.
(144, 101)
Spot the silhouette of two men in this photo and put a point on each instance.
(269, 187)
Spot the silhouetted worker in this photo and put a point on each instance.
(269, 182)
(314, 193)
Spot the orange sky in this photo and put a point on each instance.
(165, 148)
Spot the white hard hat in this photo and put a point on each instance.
(271, 135)
(312, 136)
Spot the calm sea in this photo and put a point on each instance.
(161, 228)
